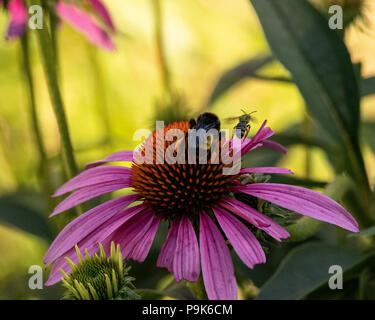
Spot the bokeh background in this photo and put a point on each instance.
(109, 95)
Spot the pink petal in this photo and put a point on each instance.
(166, 255)
(87, 193)
(103, 13)
(136, 236)
(55, 275)
(186, 264)
(304, 201)
(84, 224)
(256, 141)
(266, 170)
(126, 155)
(90, 242)
(256, 218)
(94, 176)
(274, 145)
(83, 23)
(19, 17)
(241, 238)
(217, 266)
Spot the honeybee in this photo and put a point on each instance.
(243, 124)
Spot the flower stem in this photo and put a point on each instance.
(198, 288)
(50, 71)
(159, 40)
(100, 96)
(44, 175)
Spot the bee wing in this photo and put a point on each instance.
(253, 119)
(230, 119)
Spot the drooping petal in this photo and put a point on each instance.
(241, 238)
(125, 155)
(103, 13)
(94, 176)
(275, 146)
(18, 21)
(266, 170)
(304, 201)
(217, 266)
(61, 263)
(253, 216)
(166, 255)
(186, 263)
(83, 23)
(80, 227)
(102, 234)
(87, 193)
(136, 235)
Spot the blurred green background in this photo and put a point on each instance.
(109, 95)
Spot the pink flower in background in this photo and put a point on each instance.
(94, 25)
(18, 18)
(86, 23)
(196, 198)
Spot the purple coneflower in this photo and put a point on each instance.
(89, 17)
(92, 26)
(193, 198)
(18, 18)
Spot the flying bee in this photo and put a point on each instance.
(243, 124)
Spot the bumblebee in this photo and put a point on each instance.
(206, 121)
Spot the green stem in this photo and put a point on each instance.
(50, 71)
(53, 20)
(100, 98)
(44, 175)
(198, 288)
(159, 41)
(49, 61)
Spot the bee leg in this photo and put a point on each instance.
(246, 132)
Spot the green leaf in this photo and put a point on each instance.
(305, 227)
(368, 134)
(368, 86)
(366, 232)
(303, 182)
(234, 75)
(17, 211)
(176, 291)
(305, 269)
(320, 65)
(318, 60)
(293, 135)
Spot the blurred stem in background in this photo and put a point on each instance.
(198, 288)
(100, 95)
(307, 134)
(159, 41)
(44, 168)
(50, 70)
(53, 21)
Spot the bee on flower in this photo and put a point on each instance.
(202, 205)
